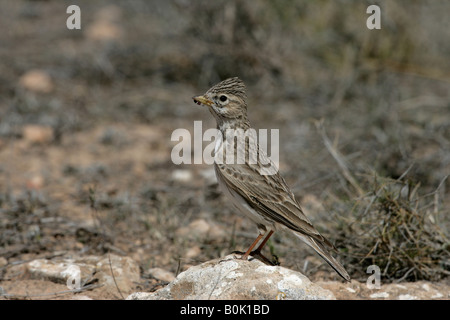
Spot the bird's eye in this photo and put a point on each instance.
(223, 98)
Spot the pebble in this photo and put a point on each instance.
(209, 175)
(161, 274)
(379, 295)
(104, 31)
(182, 175)
(37, 133)
(35, 182)
(106, 25)
(3, 262)
(197, 228)
(37, 81)
(193, 252)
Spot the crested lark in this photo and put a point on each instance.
(265, 198)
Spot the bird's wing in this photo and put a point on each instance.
(270, 196)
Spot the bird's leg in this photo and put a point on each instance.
(247, 253)
(258, 251)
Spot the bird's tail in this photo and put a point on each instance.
(323, 252)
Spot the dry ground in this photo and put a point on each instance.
(85, 163)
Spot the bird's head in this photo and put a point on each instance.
(227, 100)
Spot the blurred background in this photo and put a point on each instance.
(86, 118)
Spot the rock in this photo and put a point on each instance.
(126, 272)
(37, 133)
(35, 182)
(200, 228)
(75, 272)
(3, 262)
(106, 26)
(378, 295)
(312, 205)
(110, 13)
(80, 297)
(161, 274)
(192, 252)
(38, 81)
(229, 279)
(209, 175)
(421, 290)
(182, 175)
(60, 271)
(104, 31)
(216, 233)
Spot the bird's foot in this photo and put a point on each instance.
(259, 256)
(273, 262)
(239, 255)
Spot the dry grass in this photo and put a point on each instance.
(390, 224)
(397, 229)
(383, 95)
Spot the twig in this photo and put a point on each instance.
(405, 275)
(178, 267)
(339, 159)
(48, 257)
(405, 173)
(100, 225)
(85, 288)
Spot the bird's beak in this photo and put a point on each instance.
(202, 100)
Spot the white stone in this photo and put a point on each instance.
(426, 287)
(182, 175)
(78, 270)
(161, 274)
(230, 278)
(379, 295)
(406, 297)
(437, 296)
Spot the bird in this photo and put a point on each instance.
(264, 198)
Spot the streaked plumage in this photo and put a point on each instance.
(265, 199)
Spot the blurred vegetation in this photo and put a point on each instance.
(383, 95)
(395, 228)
